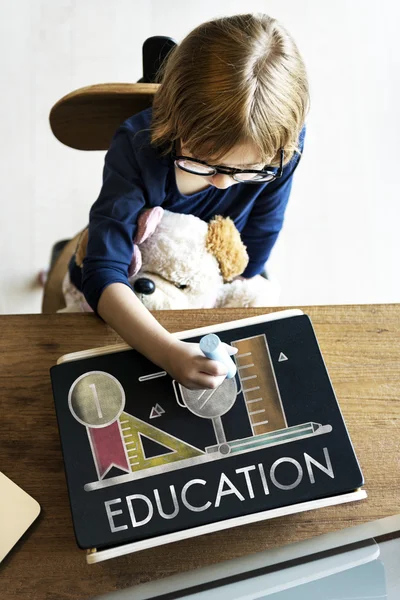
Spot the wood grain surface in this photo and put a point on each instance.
(361, 347)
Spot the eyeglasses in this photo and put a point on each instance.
(199, 167)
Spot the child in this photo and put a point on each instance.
(224, 137)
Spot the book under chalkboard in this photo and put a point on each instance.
(149, 462)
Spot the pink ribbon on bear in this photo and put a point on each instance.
(147, 224)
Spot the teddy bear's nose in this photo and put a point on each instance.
(144, 286)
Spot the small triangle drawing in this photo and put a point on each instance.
(282, 357)
(159, 409)
(155, 413)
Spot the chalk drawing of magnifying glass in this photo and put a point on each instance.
(210, 404)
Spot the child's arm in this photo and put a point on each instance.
(105, 285)
(119, 307)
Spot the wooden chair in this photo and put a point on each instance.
(87, 119)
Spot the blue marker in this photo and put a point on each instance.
(213, 348)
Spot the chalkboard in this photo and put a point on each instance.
(146, 457)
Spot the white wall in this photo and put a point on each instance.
(340, 242)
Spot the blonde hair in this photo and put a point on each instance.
(233, 80)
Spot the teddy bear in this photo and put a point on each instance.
(179, 261)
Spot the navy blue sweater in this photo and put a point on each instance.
(137, 176)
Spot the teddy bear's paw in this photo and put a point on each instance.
(254, 292)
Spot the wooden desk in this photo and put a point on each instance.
(361, 346)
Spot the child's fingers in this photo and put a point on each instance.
(213, 367)
(204, 381)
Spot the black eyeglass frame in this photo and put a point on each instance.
(230, 171)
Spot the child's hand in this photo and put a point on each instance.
(188, 365)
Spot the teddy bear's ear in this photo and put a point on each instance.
(224, 242)
(147, 223)
(80, 251)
